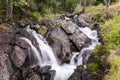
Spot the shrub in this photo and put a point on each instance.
(114, 72)
(93, 67)
(110, 32)
(34, 16)
(42, 31)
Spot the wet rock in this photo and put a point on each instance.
(86, 56)
(82, 23)
(69, 26)
(18, 56)
(45, 69)
(34, 77)
(52, 74)
(81, 73)
(16, 75)
(49, 76)
(35, 27)
(80, 40)
(23, 33)
(21, 43)
(96, 26)
(60, 44)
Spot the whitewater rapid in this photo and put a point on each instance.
(45, 54)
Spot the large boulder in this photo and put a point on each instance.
(69, 26)
(7, 70)
(18, 56)
(84, 20)
(60, 44)
(4, 73)
(80, 39)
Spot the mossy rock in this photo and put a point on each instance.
(42, 31)
(23, 22)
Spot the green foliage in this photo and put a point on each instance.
(114, 72)
(99, 17)
(42, 31)
(47, 18)
(21, 3)
(56, 5)
(69, 5)
(2, 9)
(34, 16)
(97, 12)
(93, 67)
(99, 50)
(110, 32)
(23, 22)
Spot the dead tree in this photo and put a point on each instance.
(107, 4)
(83, 4)
(9, 12)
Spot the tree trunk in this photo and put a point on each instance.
(84, 5)
(107, 4)
(9, 12)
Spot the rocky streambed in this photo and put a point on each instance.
(61, 33)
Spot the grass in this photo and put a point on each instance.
(114, 9)
(114, 72)
(110, 33)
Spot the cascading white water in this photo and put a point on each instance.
(45, 54)
(92, 34)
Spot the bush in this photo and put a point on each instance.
(114, 72)
(110, 32)
(34, 16)
(42, 31)
(93, 67)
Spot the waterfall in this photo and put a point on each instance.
(45, 54)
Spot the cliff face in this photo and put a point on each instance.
(7, 69)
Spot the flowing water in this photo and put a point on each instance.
(45, 54)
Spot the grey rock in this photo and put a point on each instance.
(18, 56)
(34, 77)
(45, 69)
(69, 26)
(60, 44)
(84, 20)
(4, 73)
(21, 43)
(82, 23)
(80, 40)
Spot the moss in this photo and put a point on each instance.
(93, 67)
(42, 31)
(22, 22)
(114, 72)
